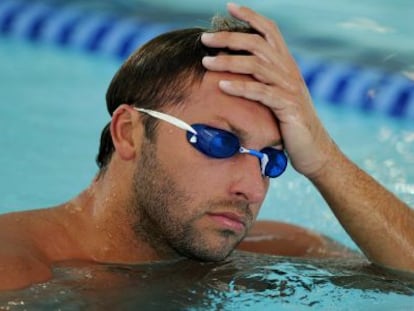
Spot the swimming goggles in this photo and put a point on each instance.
(218, 143)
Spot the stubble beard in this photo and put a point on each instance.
(161, 214)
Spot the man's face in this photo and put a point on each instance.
(194, 205)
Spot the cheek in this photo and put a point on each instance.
(203, 179)
(191, 170)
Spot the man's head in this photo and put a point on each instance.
(160, 74)
(181, 201)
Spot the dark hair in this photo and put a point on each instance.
(161, 73)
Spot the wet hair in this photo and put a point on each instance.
(160, 74)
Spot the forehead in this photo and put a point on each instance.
(209, 104)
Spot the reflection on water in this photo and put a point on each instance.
(243, 282)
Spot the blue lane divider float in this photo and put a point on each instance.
(339, 84)
(76, 28)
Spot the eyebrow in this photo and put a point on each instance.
(242, 134)
(277, 143)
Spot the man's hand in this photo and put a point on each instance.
(279, 86)
(377, 221)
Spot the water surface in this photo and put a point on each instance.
(245, 281)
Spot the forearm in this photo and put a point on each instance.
(379, 223)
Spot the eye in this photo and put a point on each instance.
(277, 161)
(214, 142)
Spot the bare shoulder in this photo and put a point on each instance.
(279, 238)
(22, 262)
(21, 267)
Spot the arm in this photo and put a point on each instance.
(282, 239)
(22, 263)
(381, 225)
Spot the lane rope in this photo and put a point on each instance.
(100, 32)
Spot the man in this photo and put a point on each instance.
(200, 122)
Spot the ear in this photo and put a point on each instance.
(126, 132)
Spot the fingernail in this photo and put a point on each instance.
(233, 5)
(207, 36)
(208, 60)
(224, 83)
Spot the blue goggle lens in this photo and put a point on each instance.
(214, 142)
(221, 144)
(277, 162)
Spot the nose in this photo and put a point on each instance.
(248, 182)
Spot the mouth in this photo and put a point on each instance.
(229, 220)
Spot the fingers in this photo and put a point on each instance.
(236, 41)
(260, 92)
(270, 64)
(265, 26)
(277, 84)
(269, 48)
(253, 66)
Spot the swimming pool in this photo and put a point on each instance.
(52, 110)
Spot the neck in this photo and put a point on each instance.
(106, 229)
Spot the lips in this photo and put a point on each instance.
(229, 220)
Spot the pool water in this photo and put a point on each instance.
(52, 110)
(243, 282)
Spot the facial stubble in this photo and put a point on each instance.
(162, 213)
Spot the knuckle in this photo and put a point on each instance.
(250, 66)
(256, 39)
(231, 61)
(222, 36)
(227, 35)
(244, 85)
(295, 88)
(255, 42)
(271, 24)
(261, 64)
(266, 91)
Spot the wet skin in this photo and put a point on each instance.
(108, 222)
(224, 196)
(233, 188)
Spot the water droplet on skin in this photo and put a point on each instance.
(88, 275)
(16, 303)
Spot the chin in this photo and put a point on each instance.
(215, 253)
(206, 245)
(211, 256)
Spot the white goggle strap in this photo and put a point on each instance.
(263, 163)
(263, 157)
(167, 118)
